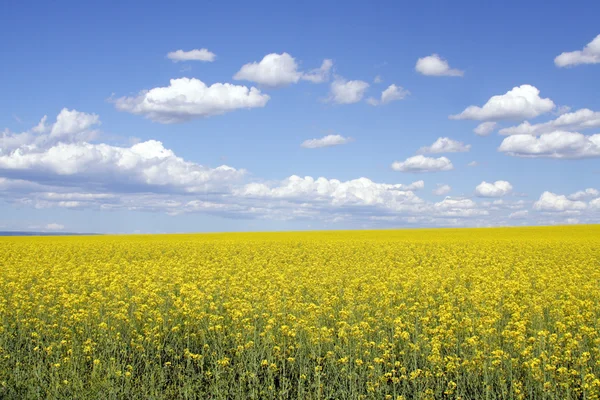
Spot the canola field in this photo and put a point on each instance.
(511, 313)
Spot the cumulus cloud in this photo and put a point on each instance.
(326, 141)
(589, 55)
(147, 163)
(485, 128)
(146, 176)
(74, 174)
(360, 191)
(445, 145)
(273, 70)
(584, 194)
(321, 74)
(347, 92)
(276, 70)
(377, 79)
(458, 207)
(495, 189)
(333, 200)
(549, 201)
(557, 144)
(188, 98)
(70, 126)
(450, 202)
(72, 122)
(519, 103)
(392, 93)
(503, 204)
(434, 65)
(521, 214)
(473, 164)
(71, 159)
(421, 163)
(192, 55)
(571, 121)
(66, 171)
(442, 190)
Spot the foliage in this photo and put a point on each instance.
(424, 314)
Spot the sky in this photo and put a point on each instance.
(125, 117)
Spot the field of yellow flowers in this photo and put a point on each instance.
(410, 314)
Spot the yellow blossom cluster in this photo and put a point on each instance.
(403, 314)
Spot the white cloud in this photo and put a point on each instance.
(69, 204)
(521, 214)
(572, 121)
(72, 122)
(485, 128)
(392, 93)
(41, 126)
(276, 70)
(473, 164)
(503, 204)
(377, 79)
(442, 190)
(589, 55)
(146, 163)
(334, 200)
(76, 196)
(67, 172)
(495, 189)
(319, 75)
(445, 145)
(70, 126)
(55, 227)
(434, 65)
(188, 98)
(170, 203)
(519, 103)
(360, 191)
(552, 202)
(584, 194)
(450, 202)
(416, 185)
(71, 159)
(148, 177)
(326, 141)
(421, 163)
(347, 92)
(452, 207)
(557, 144)
(273, 70)
(192, 55)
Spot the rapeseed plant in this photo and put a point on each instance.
(419, 314)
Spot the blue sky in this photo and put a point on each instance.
(134, 139)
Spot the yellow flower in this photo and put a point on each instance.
(508, 310)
